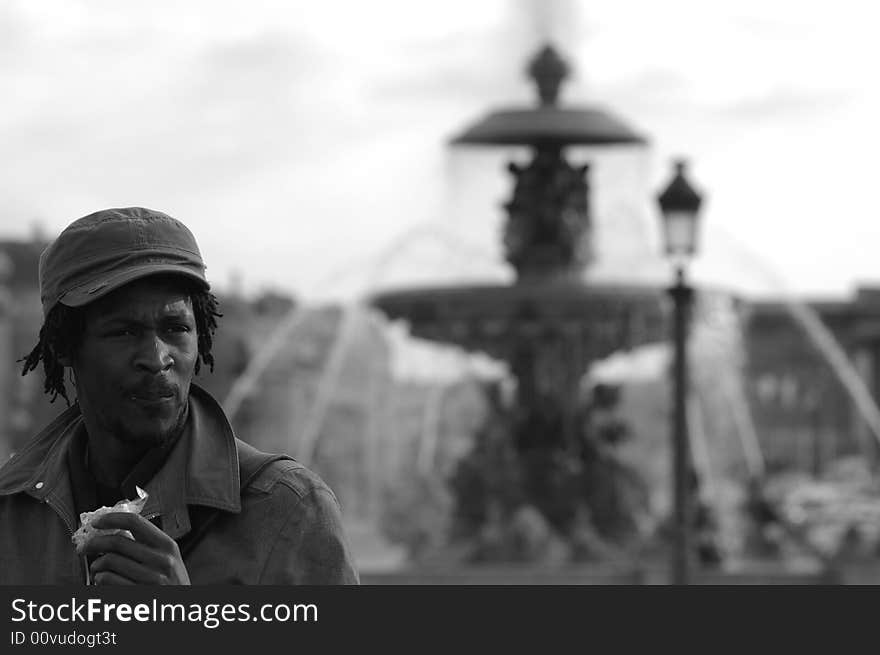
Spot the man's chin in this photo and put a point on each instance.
(150, 433)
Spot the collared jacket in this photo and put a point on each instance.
(283, 528)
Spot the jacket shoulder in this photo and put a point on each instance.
(293, 475)
(310, 546)
(278, 469)
(18, 471)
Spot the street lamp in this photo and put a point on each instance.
(679, 208)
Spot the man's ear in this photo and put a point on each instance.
(64, 360)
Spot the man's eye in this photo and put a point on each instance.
(121, 332)
(179, 328)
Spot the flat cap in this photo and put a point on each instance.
(100, 252)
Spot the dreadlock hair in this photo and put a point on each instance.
(63, 329)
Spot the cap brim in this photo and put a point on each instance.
(99, 288)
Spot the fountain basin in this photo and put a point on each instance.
(492, 318)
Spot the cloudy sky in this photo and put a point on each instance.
(305, 143)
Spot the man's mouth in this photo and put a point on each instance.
(152, 397)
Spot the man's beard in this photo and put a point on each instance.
(154, 439)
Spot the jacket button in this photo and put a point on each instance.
(39, 485)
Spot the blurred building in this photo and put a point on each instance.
(23, 406)
(6, 376)
(804, 414)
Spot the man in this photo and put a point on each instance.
(129, 315)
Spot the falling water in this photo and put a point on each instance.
(821, 337)
(351, 321)
(246, 383)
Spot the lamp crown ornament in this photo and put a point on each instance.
(679, 195)
(548, 70)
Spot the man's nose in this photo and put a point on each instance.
(154, 355)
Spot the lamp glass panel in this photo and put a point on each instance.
(680, 231)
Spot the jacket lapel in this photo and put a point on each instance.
(202, 469)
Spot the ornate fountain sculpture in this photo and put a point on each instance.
(550, 324)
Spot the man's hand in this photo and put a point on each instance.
(152, 558)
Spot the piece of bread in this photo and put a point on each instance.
(86, 532)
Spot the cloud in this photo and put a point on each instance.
(656, 88)
(192, 117)
(14, 31)
(784, 103)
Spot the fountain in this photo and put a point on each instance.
(550, 323)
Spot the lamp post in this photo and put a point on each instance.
(679, 208)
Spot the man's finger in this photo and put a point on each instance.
(140, 528)
(117, 543)
(126, 568)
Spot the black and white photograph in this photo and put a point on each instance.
(513, 293)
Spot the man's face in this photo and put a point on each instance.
(136, 361)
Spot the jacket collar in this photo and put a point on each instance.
(202, 468)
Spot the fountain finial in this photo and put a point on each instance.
(548, 70)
